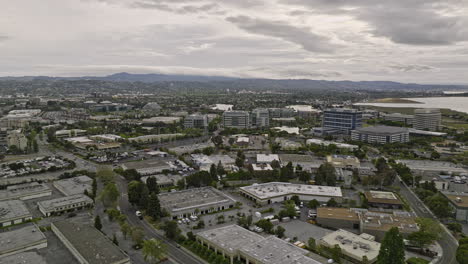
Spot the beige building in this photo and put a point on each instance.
(427, 119)
(17, 138)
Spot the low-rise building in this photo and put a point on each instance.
(237, 243)
(328, 143)
(13, 212)
(195, 202)
(106, 138)
(337, 218)
(21, 239)
(88, 245)
(275, 192)
(164, 180)
(386, 200)
(154, 138)
(16, 138)
(147, 167)
(161, 119)
(459, 202)
(23, 258)
(68, 133)
(75, 185)
(25, 191)
(381, 134)
(196, 121)
(431, 167)
(64, 204)
(343, 161)
(267, 158)
(352, 245)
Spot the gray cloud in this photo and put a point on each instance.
(179, 9)
(415, 22)
(4, 38)
(411, 68)
(282, 30)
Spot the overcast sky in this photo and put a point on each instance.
(423, 41)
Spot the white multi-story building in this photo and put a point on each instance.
(427, 119)
(196, 121)
(260, 118)
(236, 119)
(381, 134)
(17, 138)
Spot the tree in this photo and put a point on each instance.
(171, 230)
(332, 203)
(114, 240)
(152, 185)
(134, 190)
(217, 140)
(125, 229)
(280, 231)
(455, 227)
(304, 176)
(439, 205)
(311, 244)
(326, 175)
(313, 204)
(154, 207)
(137, 235)
(97, 222)
(462, 251)
(392, 249)
(275, 164)
(429, 232)
(109, 195)
(296, 199)
(421, 239)
(266, 225)
(153, 250)
(239, 162)
(106, 175)
(220, 169)
(213, 172)
(144, 197)
(94, 187)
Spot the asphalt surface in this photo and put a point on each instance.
(175, 254)
(447, 242)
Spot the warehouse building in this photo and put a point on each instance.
(88, 245)
(275, 192)
(387, 200)
(242, 245)
(197, 201)
(64, 204)
(75, 185)
(352, 245)
(381, 134)
(25, 191)
(21, 239)
(13, 212)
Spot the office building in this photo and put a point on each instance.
(342, 119)
(64, 204)
(197, 201)
(387, 200)
(22, 239)
(459, 202)
(427, 119)
(13, 212)
(17, 138)
(275, 192)
(381, 134)
(75, 185)
(88, 245)
(281, 112)
(25, 191)
(236, 119)
(352, 245)
(196, 121)
(260, 118)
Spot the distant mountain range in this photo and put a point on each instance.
(250, 83)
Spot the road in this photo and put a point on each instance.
(176, 255)
(447, 242)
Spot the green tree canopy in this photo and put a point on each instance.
(392, 248)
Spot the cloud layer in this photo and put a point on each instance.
(423, 41)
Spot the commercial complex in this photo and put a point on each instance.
(13, 212)
(459, 202)
(64, 204)
(275, 192)
(260, 118)
(25, 191)
(427, 119)
(195, 202)
(236, 119)
(342, 119)
(352, 245)
(196, 121)
(386, 200)
(75, 185)
(88, 245)
(381, 134)
(369, 222)
(237, 243)
(21, 239)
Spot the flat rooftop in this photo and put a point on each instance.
(91, 244)
(13, 209)
(230, 238)
(337, 213)
(457, 199)
(23, 258)
(50, 205)
(193, 198)
(285, 158)
(405, 221)
(274, 189)
(430, 165)
(355, 245)
(273, 250)
(25, 189)
(26, 236)
(146, 164)
(382, 197)
(75, 185)
(382, 130)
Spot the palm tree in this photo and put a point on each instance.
(153, 250)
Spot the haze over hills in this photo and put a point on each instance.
(247, 83)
